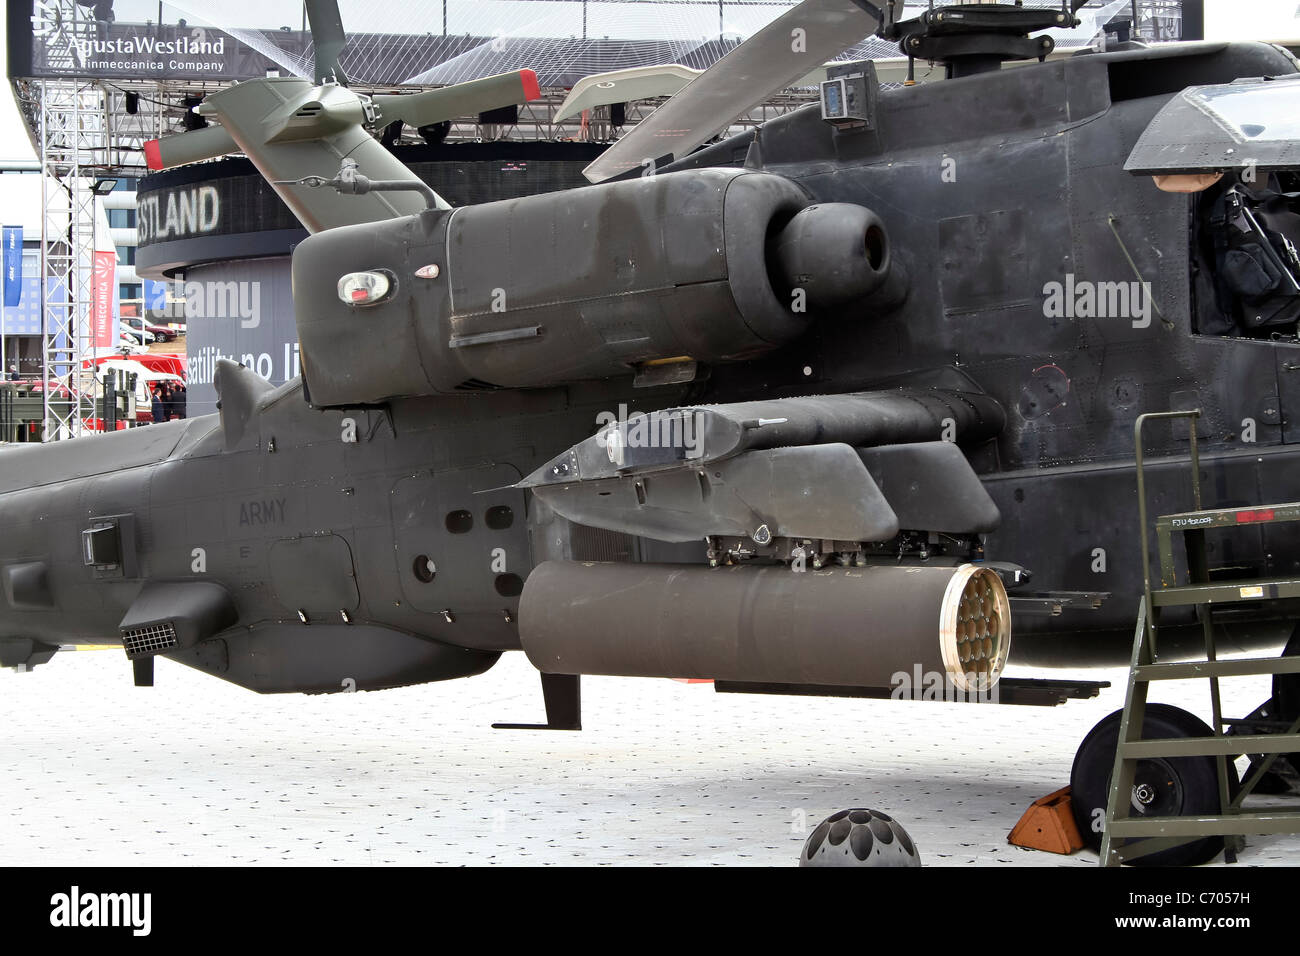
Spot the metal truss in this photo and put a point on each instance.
(72, 139)
(71, 133)
(1158, 21)
(83, 132)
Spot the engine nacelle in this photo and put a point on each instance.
(587, 283)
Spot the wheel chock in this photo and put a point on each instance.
(1048, 825)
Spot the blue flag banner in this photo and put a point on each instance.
(13, 265)
(25, 318)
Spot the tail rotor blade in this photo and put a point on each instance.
(192, 147)
(463, 99)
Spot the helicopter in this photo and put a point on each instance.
(797, 410)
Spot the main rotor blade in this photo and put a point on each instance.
(328, 38)
(788, 48)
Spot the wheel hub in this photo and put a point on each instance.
(1156, 789)
(1143, 795)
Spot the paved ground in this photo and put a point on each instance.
(196, 771)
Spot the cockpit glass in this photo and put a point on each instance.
(1258, 111)
(1206, 129)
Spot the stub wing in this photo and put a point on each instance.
(857, 467)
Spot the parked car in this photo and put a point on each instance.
(135, 336)
(160, 332)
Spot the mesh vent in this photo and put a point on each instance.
(152, 639)
(600, 544)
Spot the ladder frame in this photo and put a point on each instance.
(1162, 833)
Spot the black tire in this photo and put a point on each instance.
(1180, 786)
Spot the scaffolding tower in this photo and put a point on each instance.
(71, 129)
(72, 138)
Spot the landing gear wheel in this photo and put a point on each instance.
(1178, 786)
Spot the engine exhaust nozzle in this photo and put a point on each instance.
(836, 252)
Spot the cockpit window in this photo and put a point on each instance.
(1245, 125)
(1260, 111)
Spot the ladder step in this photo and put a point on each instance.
(1211, 746)
(1240, 667)
(1226, 592)
(1246, 822)
(1228, 517)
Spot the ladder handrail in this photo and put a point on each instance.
(1142, 419)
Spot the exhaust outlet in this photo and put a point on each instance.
(855, 627)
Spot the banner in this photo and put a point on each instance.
(103, 328)
(13, 266)
(26, 318)
(66, 39)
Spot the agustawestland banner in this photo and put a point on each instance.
(144, 39)
(102, 332)
(228, 40)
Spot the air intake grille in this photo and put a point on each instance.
(600, 544)
(152, 639)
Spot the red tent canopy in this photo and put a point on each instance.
(157, 361)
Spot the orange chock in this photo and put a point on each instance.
(1048, 825)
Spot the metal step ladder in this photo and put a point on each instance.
(1160, 833)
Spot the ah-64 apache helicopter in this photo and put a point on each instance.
(887, 352)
